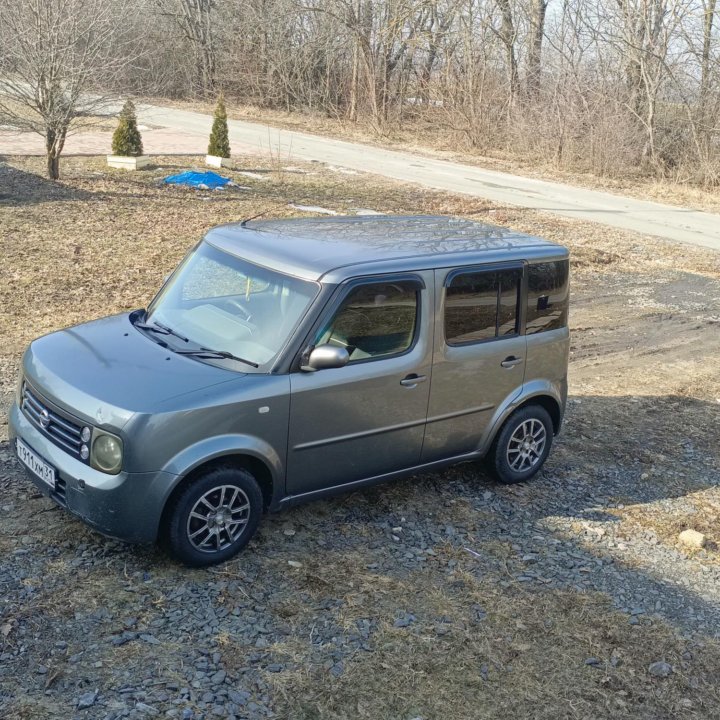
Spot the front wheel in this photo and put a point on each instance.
(214, 517)
(522, 445)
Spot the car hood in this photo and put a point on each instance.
(106, 370)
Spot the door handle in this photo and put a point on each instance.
(511, 362)
(413, 380)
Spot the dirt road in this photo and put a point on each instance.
(665, 221)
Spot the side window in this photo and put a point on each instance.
(482, 306)
(375, 320)
(547, 296)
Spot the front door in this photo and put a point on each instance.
(479, 357)
(367, 418)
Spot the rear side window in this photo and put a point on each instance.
(547, 296)
(482, 306)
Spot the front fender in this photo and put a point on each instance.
(557, 390)
(212, 448)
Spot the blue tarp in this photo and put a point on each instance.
(203, 180)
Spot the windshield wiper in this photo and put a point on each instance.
(170, 331)
(201, 352)
(208, 353)
(160, 329)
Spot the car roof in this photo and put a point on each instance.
(332, 249)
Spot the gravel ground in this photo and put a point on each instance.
(441, 596)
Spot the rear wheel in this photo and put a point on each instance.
(214, 517)
(522, 445)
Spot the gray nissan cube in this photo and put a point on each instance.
(286, 360)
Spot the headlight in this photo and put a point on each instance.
(106, 454)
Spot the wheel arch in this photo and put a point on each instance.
(545, 395)
(550, 404)
(240, 451)
(259, 469)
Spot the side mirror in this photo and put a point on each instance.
(324, 357)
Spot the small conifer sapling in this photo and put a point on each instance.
(126, 140)
(219, 145)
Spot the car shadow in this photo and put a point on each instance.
(617, 457)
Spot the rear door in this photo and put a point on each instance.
(479, 357)
(367, 418)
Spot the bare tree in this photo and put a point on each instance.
(196, 21)
(701, 105)
(56, 54)
(608, 86)
(645, 35)
(440, 18)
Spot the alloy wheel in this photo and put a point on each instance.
(526, 445)
(218, 518)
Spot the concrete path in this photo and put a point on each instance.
(156, 141)
(191, 129)
(666, 221)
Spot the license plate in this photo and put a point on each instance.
(32, 460)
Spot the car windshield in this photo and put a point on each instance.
(220, 302)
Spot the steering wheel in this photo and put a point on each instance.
(245, 316)
(242, 316)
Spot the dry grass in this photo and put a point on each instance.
(137, 230)
(478, 650)
(30, 708)
(422, 136)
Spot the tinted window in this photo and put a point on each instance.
(547, 296)
(481, 306)
(508, 305)
(375, 320)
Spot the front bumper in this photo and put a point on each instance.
(127, 506)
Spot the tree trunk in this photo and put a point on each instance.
(54, 143)
(426, 75)
(634, 36)
(53, 166)
(705, 64)
(705, 70)
(354, 80)
(649, 154)
(537, 23)
(507, 35)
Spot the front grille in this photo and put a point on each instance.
(63, 431)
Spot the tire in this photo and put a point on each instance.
(197, 535)
(510, 459)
